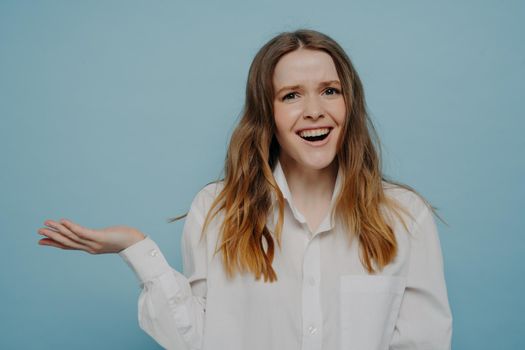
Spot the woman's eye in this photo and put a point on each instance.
(335, 91)
(291, 94)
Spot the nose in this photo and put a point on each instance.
(312, 108)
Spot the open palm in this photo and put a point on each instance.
(66, 234)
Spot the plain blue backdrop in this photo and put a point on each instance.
(118, 112)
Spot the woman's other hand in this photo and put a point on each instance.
(66, 234)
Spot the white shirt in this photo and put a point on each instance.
(323, 298)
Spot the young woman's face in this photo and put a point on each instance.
(309, 109)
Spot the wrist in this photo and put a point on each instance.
(135, 238)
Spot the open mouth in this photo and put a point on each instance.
(315, 134)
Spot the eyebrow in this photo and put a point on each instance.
(294, 87)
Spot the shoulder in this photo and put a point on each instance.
(412, 201)
(205, 196)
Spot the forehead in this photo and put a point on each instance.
(303, 66)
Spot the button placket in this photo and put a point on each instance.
(312, 330)
(311, 304)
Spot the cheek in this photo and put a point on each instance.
(338, 111)
(284, 120)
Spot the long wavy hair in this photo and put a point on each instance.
(249, 188)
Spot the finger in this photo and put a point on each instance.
(60, 238)
(50, 242)
(83, 232)
(67, 232)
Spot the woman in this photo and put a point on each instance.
(357, 264)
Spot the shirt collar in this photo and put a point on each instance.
(328, 222)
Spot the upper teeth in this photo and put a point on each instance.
(314, 132)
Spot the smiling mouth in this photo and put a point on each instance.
(314, 135)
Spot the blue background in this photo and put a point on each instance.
(118, 112)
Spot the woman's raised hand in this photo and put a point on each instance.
(66, 234)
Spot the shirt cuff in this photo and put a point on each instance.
(145, 259)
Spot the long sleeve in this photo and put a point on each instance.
(171, 306)
(425, 319)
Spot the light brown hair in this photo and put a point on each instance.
(246, 197)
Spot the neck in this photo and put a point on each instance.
(309, 185)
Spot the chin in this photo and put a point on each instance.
(317, 164)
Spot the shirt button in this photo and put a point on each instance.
(312, 330)
(153, 252)
(311, 281)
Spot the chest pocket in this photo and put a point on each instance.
(369, 308)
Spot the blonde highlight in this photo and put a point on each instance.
(250, 191)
